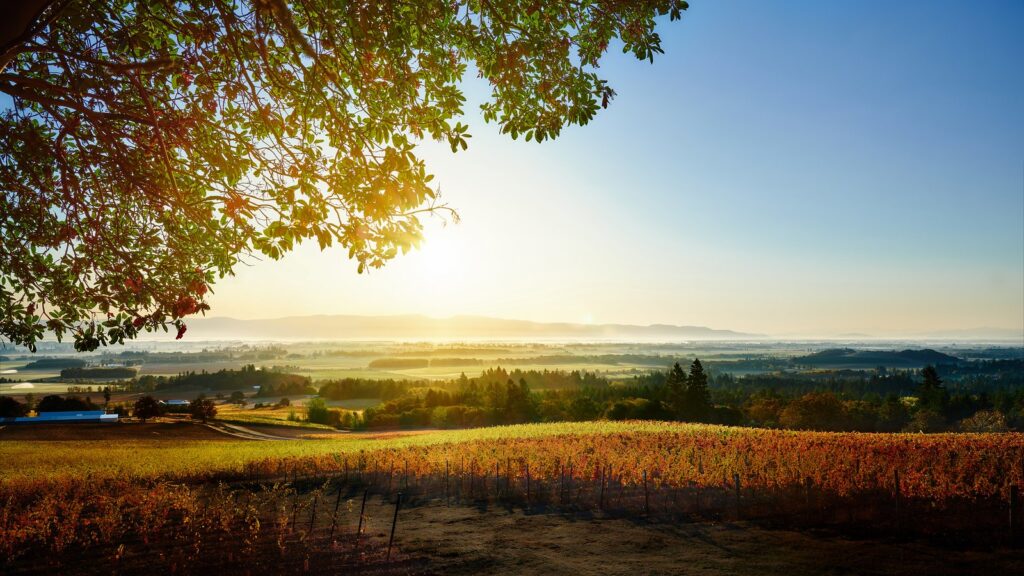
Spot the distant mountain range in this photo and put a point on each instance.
(850, 358)
(327, 327)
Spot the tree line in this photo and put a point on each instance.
(880, 402)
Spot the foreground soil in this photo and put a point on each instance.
(462, 540)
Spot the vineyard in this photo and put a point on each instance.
(291, 505)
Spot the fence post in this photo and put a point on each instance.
(295, 509)
(334, 516)
(647, 497)
(561, 484)
(362, 514)
(447, 501)
(896, 491)
(394, 521)
(736, 484)
(391, 473)
(568, 486)
(497, 481)
(527, 484)
(600, 502)
(1014, 511)
(312, 513)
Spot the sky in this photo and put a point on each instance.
(797, 168)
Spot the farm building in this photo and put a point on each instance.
(60, 417)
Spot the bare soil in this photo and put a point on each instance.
(466, 540)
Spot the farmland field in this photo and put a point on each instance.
(656, 471)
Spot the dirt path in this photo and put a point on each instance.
(462, 540)
(242, 432)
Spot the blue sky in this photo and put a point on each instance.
(789, 168)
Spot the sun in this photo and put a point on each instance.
(439, 259)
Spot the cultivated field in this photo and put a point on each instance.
(189, 484)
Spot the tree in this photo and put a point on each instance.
(675, 391)
(11, 408)
(931, 394)
(316, 411)
(202, 409)
(237, 397)
(814, 411)
(698, 398)
(147, 407)
(149, 147)
(106, 395)
(55, 403)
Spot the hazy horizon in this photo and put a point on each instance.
(808, 170)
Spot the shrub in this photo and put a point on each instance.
(985, 421)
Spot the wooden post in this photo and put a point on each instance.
(896, 492)
(736, 483)
(391, 473)
(394, 521)
(1014, 511)
(362, 514)
(447, 501)
(312, 513)
(647, 497)
(295, 509)
(334, 516)
(527, 484)
(561, 483)
(568, 486)
(407, 475)
(600, 502)
(508, 477)
(497, 481)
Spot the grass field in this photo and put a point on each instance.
(294, 416)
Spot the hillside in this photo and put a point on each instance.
(850, 358)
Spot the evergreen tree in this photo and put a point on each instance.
(698, 398)
(675, 391)
(932, 395)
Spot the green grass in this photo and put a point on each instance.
(178, 459)
(273, 416)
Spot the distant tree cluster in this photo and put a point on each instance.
(98, 372)
(270, 382)
(915, 401)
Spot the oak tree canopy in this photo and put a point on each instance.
(147, 148)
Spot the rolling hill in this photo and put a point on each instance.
(850, 358)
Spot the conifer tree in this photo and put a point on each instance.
(675, 393)
(698, 398)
